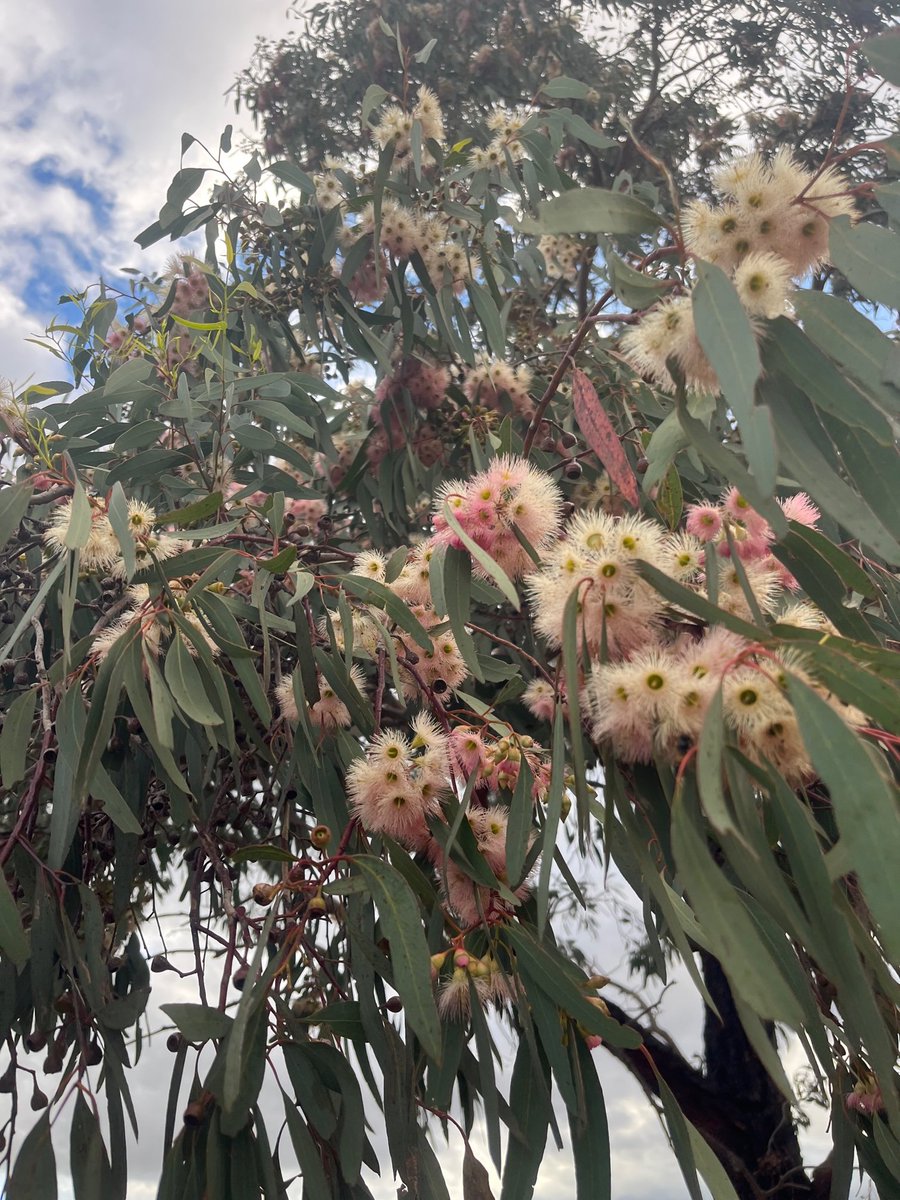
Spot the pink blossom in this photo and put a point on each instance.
(801, 509)
(704, 521)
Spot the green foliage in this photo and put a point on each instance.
(298, 639)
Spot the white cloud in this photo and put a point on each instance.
(94, 98)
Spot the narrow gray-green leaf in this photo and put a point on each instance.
(410, 959)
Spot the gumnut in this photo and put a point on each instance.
(320, 836)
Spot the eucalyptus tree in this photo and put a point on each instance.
(447, 513)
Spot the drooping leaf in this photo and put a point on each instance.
(601, 436)
(34, 1171)
(869, 257)
(402, 925)
(12, 935)
(15, 737)
(198, 1022)
(14, 503)
(866, 804)
(594, 210)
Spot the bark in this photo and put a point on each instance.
(731, 1101)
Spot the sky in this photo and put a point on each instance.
(94, 97)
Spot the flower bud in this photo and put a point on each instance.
(265, 893)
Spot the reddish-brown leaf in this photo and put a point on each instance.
(602, 437)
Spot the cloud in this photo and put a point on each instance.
(94, 98)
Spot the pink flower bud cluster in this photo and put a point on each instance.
(496, 762)
(191, 293)
(751, 535)
(460, 975)
(510, 496)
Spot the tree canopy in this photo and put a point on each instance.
(509, 480)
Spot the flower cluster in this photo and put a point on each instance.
(733, 525)
(772, 228)
(510, 497)
(562, 255)
(506, 125)
(398, 784)
(416, 386)
(598, 558)
(329, 712)
(101, 551)
(396, 126)
(496, 762)
(149, 618)
(777, 208)
(497, 385)
(657, 701)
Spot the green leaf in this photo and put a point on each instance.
(34, 1171)
(312, 1094)
(864, 800)
(88, 1161)
(726, 335)
(590, 1134)
(709, 767)
(198, 1022)
(733, 936)
(553, 812)
(631, 287)
(679, 1134)
(118, 518)
(337, 1073)
(208, 506)
(529, 1099)
(883, 52)
(396, 609)
(869, 257)
(807, 463)
(788, 349)
(848, 337)
(15, 737)
(489, 316)
(842, 674)
(823, 571)
(572, 667)
(79, 529)
(484, 560)
(13, 942)
(593, 210)
(315, 1182)
(565, 88)
(14, 503)
(520, 824)
(559, 981)
(183, 678)
(374, 97)
(262, 853)
(282, 560)
(410, 959)
(105, 697)
(450, 577)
